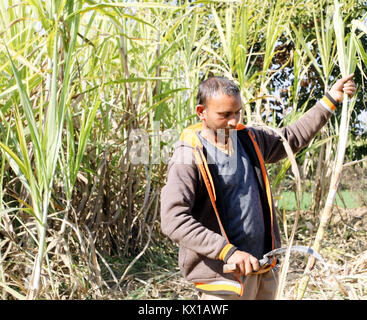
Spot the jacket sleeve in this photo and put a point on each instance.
(177, 201)
(298, 134)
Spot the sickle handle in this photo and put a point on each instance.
(232, 267)
(229, 267)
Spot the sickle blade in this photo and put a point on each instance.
(302, 249)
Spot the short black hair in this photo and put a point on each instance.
(215, 85)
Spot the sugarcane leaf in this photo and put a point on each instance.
(13, 292)
(28, 111)
(19, 163)
(360, 25)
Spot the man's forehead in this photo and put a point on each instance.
(222, 99)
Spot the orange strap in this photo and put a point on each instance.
(200, 159)
(208, 173)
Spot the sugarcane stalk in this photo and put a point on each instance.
(346, 64)
(327, 211)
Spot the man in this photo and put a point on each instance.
(217, 203)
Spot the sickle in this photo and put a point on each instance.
(227, 268)
(280, 251)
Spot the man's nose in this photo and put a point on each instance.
(232, 122)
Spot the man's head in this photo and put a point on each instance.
(213, 86)
(218, 104)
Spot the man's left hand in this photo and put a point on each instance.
(343, 85)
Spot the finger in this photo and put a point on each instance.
(347, 78)
(242, 268)
(349, 93)
(248, 267)
(349, 83)
(255, 264)
(349, 87)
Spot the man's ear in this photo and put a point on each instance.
(200, 109)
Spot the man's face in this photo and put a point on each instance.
(222, 112)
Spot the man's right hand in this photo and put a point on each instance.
(245, 262)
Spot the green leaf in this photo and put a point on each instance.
(28, 111)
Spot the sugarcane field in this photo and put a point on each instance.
(98, 99)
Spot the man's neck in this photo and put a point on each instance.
(223, 143)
